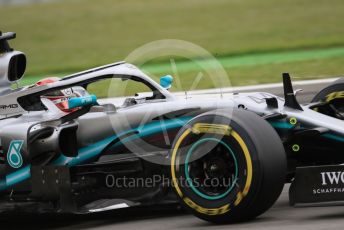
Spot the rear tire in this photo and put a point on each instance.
(243, 148)
(333, 96)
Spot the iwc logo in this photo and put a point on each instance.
(14, 157)
(332, 177)
(331, 182)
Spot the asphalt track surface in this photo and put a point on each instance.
(281, 216)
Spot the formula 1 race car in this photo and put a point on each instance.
(64, 148)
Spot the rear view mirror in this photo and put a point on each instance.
(12, 63)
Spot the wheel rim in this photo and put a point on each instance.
(219, 163)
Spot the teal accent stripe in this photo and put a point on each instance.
(18, 176)
(333, 137)
(281, 125)
(95, 149)
(286, 125)
(85, 153)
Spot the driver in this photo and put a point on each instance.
(61, 97)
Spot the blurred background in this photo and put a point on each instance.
(255, 40)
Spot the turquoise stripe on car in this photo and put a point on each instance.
(281, 125)
(333, 137)
(286, 125)
(95, 149)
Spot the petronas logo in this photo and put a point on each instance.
(14, 157)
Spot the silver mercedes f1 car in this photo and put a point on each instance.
(64, 148)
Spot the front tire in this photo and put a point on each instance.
(242, 149)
